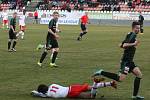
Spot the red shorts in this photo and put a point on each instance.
(5, 21)
(22, 28)
(75, 90)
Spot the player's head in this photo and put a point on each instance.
(14, 14)
(86, 13)
(42, 88)
(136, 27)
(55, 15)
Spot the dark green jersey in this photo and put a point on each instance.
(13, 22)
(129, 51)
(52, 25)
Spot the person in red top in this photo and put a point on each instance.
(36, 17)
(84, 21)
(85, 91)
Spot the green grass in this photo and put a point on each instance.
(19, 73)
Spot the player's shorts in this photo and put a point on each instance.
(36, 17)
(22, 27)
(76, 90)
(126, 67)
(5, 21)
(83, 27)
(52, 42)
(12, 35)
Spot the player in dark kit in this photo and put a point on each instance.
(51, 41)
(12, 34)
(127, 64)
(84, 21)
(141, 19)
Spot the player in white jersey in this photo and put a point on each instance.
(73, 91)
(5, 19)
(22, 25)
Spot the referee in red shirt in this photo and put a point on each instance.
(84, 21)
(36, 17)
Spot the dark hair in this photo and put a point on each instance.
(135, 23)
(55, 12)
(42, 88)
(15, 13)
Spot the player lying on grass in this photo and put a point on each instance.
(127, 64)
(73, 91)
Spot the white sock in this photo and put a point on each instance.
(103, 84)
(52, 55)
(22, 35)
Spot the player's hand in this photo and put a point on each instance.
(56, 36)
(136, 42)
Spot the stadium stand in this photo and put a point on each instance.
(90, 5)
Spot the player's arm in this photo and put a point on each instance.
(50, 29)
(125, 45)
(37, 94)
(127, 41)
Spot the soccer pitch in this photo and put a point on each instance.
(20, 74)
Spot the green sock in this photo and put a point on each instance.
(111, 75)
(136, 86)
(54, 56)
(43, 56)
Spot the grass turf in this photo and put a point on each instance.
(19, 73)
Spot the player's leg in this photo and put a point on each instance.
(81, 33)
(7, 24)
(55, 47)
(44, 54)
(9, 45)
(3, 24)
(14, 44)
(124, 70)
(23, 30)
(10, 40)
(136, 71)
(55, 53)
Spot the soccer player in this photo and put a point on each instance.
(12, 34)
(43, 46)
(5, 19)
(84, 21)
(22, 25)
(51, 41)
(127, 64)
(85, 91)
(141, 19)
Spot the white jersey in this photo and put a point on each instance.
(57, 91)
(22, 20)
(5, 16)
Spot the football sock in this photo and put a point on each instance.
(80, 34)
(111, 75)
(9, 44)
(94, 90)
(136, 86)
(54, 56)
(43, 56)
(14, 44)
(103, 84)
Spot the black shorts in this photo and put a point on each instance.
(36, 17)
(83, 27)
(12, 35)
(127, 67)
